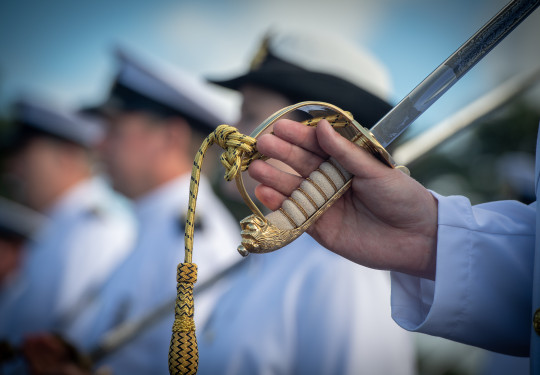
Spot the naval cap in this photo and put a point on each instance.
(17, 221)
(151, 85)
(305, 65)
(35, 117)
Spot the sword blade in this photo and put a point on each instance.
(451, 70)
(421, 145)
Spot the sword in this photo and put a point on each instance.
(413, 150)
(261, 234)
(451, 70)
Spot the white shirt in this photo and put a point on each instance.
(89, 232)
(487, 285)
(148, 277)
(304, 310)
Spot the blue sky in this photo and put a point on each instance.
(61, 49)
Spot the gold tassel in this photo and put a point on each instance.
(240, 151)
(183, 351)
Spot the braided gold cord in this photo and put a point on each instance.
(337, 121)
(239, 152)
(183, 352)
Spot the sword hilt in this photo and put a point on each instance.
(308, 202)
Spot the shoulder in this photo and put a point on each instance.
(108, 209)
(104, 220)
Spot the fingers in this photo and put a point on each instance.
(299, 134)
(269, 197)
(301, 160)
(351, 156)
(304, 149)
(40, 353)
(275, 185)
(266, 174)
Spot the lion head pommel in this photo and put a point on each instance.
(260, 236)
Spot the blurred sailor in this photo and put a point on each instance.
(89, 231)
(302, 309)
(157, 116)
(18, 224)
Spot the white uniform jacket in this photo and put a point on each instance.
(304, 310)
(147, 279)
(487, 287)
(89, 232)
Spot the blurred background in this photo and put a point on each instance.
(62, 49)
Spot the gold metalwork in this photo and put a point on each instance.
(536, 322)
(261, 236)
(261, 54)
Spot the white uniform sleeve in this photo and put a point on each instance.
(482, 292)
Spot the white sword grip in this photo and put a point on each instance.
(313, 192)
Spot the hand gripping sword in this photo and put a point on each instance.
(262, 234)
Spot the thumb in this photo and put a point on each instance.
(351, 156)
